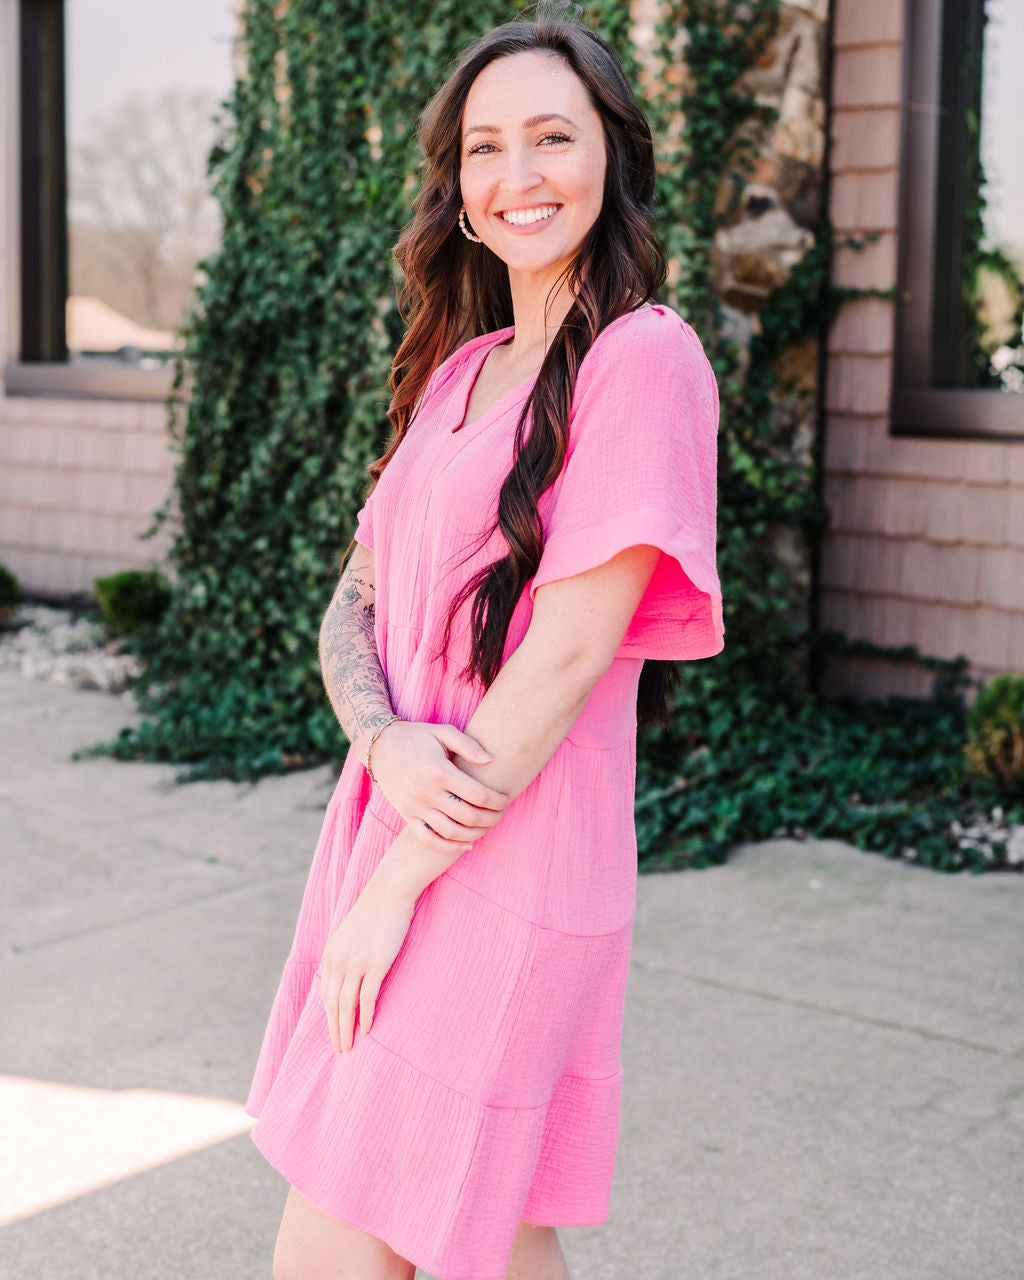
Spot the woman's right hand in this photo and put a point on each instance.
(445, 807)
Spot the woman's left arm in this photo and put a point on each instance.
(575, 631)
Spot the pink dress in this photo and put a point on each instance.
(488, 1087)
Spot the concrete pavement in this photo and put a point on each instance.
(823, 1051)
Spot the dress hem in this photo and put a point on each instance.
(441, 1273)
(534, 1219)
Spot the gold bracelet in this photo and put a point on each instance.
(379, 730)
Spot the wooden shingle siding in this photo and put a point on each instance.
(859, 384)
(872, 265)
(865, 201)
(868, 76)
(863, 326)
(870, 22)
(865, 140)
(79, 481)
(926, 541)
(978, 515)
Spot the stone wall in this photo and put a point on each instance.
(777, 222)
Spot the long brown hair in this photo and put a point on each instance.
(455, 290)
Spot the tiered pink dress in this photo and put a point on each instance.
(488, 1087)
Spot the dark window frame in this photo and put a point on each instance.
(931, 204)
(37, 358)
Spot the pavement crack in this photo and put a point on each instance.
(73, 935)
(887, 1024)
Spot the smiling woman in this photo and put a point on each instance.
(542, 524)
(532, 192)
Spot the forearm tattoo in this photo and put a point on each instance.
(351, 668)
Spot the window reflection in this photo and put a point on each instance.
(993, 255)
(143, 83)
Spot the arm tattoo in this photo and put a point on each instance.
(351, 667)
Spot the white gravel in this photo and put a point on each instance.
(43, 642)
(991, 831)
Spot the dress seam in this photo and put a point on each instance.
(571, 1075)
(484, 1106)
(490, 1106)
(546, 928)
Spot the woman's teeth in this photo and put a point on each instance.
(523, 217)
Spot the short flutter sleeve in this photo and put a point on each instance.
(641, 469)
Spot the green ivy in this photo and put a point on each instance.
(288, 344)
(889, 779)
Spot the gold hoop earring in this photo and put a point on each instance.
(463, 228)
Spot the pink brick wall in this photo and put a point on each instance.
(79, 481)
(926, 544)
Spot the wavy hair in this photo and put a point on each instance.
(454, 291)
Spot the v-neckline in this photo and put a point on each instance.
(482, 352)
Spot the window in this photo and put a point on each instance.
(117, 103)
(959, 350)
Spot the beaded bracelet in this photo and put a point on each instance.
(379, 730)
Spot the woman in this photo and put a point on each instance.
(440, 1076)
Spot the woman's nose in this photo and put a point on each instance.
(521, 170)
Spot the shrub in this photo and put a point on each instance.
(995, 735)
(10, 592)
(889, 778)
(132, 599)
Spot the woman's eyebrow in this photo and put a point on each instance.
(527, 124)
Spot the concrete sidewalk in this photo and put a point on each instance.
(823, 1051)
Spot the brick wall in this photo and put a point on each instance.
(926, 544)
(79, 481)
